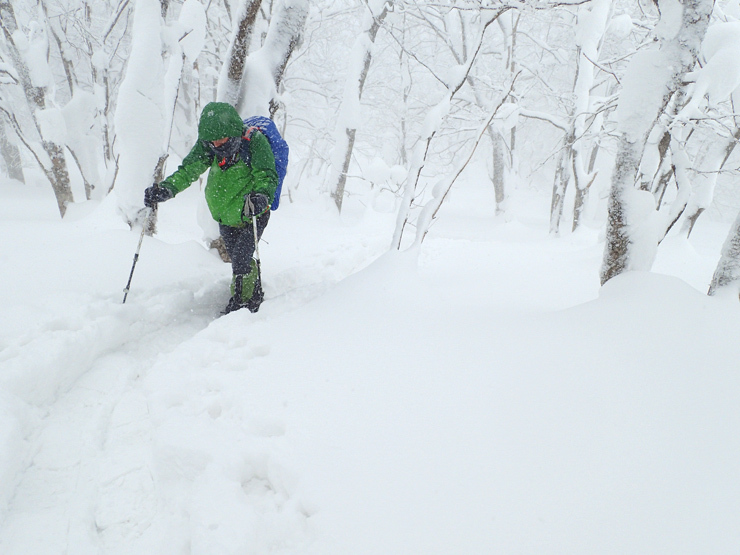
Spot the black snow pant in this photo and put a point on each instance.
(246, 283)
(239, 243)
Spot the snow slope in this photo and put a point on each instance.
(484, 397)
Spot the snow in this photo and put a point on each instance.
(139, 119)
(484, 397)
(193, 22)
(620, 26)
(52, 124)
(671, 15)
(643, 87)
(35, 49)
(720, 75)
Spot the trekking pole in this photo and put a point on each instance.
(136, 255)
(256, 240)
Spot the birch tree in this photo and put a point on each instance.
(139, 117)
(10, 154)
(434, 120)
(234, 66)
(652, 82)
(250, 81)
(34, 76)
(349, 110)
(591, 23)
(727, 274)
(265, 68)
(714, 84)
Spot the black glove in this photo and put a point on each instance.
(257, 203)
(156, 194)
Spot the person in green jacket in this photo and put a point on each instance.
(241, 185)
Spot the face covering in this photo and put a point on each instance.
(228, 149)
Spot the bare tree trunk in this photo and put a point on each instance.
(590, 28)
(516, 16)
(55, 31)
(60, 180)
(616, 254)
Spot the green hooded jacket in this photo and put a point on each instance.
(226, 190)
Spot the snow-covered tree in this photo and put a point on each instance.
(140, 116)
(44, 135)
(350, 109)
(234, 66)
(651, 89)
(591, 24)
(265, 68)
(453, 83)
(727, 274)
(712, 109)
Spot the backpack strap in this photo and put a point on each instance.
(249, 131)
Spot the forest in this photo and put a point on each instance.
(500, 291)
(624, 111)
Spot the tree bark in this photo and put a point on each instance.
(352, 96)
(56, 167)
(704, 193)
(11, 155)
(727, 273)
(630, 245)
(228, 90)
(562, 179)
(283, 37)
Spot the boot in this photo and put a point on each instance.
(254, 302)
(246, 291)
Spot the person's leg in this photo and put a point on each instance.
(246, 286)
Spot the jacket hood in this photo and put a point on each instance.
(219, 120)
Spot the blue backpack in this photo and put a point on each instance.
(279, 149)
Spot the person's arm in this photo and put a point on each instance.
(198, 160)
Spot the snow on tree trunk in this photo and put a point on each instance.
(592, 24)
(652, 78)
(499, 170)
(705, 181)
(349, 110)
(36, 80)
(589, 30)
(717, 80)
(232, 73)
(190, 31)
(139, 118)
(443, 187)
(727, 274)
(253, 83)
(264, 68)
(562, 179)
(10, 154)
(432, 123)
